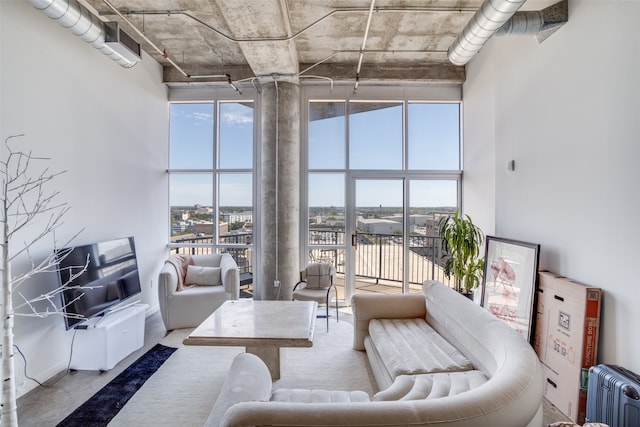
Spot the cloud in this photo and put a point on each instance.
(237, 117)
(190, 113)
(201, 116)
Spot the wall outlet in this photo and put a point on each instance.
(276, 283)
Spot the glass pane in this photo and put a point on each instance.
(326, 135)
(326, 209)
(429, 201)
(327, 222)
(191, 136)
(375, 135)
(434, 136)
(379, 221)
(236, 220)
(236, 208)
(236, 135)
(191, 201)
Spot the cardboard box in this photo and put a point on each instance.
(564, 394)
(566, 340)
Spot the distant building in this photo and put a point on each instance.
(379, 226)
(246, 216)
(178, 227)
(203, 228)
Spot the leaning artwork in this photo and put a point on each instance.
(509, 282)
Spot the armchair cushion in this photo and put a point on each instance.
(318, 275)
(318, 295)
(203, 276)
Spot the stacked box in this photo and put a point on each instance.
(566, 340)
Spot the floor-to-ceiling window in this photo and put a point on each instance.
(381, 172)
(211, 179)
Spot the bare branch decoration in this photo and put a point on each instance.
(24, 197)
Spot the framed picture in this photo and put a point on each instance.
(510, 281)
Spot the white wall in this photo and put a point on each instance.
(104, 124)
(479, 163)
(566, 111)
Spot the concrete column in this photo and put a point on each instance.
(280, 168)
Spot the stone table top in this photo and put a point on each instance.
(258, 323)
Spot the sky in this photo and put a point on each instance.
(374, 137)
(192, 136)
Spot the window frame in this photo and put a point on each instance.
(405, 96)
(217, 98)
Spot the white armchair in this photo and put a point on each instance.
(189, 306)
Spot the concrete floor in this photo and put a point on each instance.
(46, 406)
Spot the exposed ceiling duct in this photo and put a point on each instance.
(492, 15)
(538, 23)
(83, 23)
(501, 17)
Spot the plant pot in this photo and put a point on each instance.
(468, 294)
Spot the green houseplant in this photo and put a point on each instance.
(461, 242)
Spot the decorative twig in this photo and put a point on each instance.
(23, 199)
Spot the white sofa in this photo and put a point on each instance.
(190, 306)
(503, 387)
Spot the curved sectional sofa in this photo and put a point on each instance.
(438, 359)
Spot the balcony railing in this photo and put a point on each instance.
(378, 257)
(240, 252)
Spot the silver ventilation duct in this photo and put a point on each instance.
(501, 17)
(540, 24)
(80, 21)
(487, 20)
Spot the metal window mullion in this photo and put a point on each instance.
(304, 186)
(216, 181)
(406, 208)
(347, 141)
(405, 135)
(460, 138)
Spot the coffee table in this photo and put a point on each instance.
(263, 327)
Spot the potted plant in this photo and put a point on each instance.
(461, 242)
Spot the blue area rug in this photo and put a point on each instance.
(105, 404)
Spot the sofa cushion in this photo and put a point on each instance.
(318, 396)
(411, 346)
(431, 386)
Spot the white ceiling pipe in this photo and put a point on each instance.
(364, 44)
(492, 15)
(80, 21)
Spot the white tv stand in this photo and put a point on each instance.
(108, 339)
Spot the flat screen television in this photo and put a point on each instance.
(111, 277)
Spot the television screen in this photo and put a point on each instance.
(110, 278)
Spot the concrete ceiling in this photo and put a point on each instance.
(206, 39)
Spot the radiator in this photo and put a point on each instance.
(613, 396)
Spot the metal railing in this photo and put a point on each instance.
(239, 248)
(379, 257)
